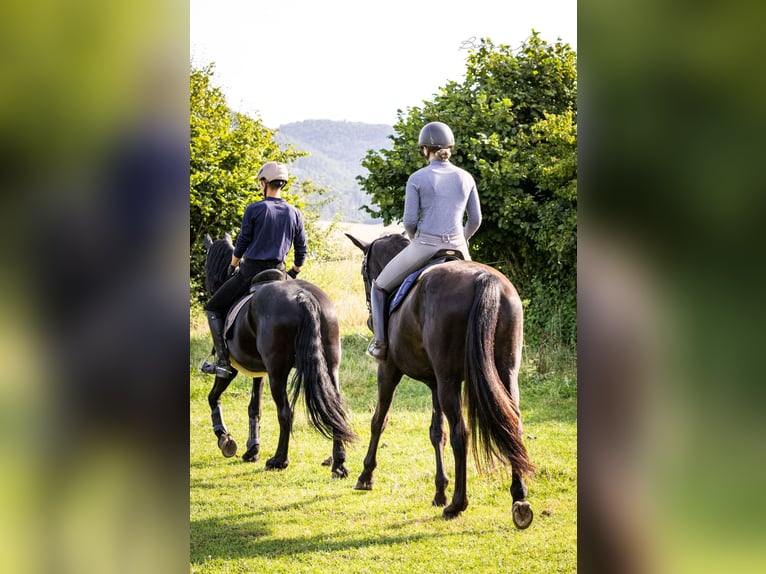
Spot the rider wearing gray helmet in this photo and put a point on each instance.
(437, 197)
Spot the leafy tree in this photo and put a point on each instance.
(227, 150)
(515, 122)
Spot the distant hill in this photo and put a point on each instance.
(336, 150)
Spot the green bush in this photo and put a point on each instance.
(515, 122)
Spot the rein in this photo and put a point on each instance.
(366, 279)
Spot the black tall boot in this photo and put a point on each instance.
(378, 348)
(221, 367)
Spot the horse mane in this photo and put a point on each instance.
(217, 264)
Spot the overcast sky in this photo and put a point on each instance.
(352, 60)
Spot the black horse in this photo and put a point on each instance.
(461, 321)
(287, 323)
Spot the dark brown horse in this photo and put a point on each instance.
(287, 323)
(462, 321)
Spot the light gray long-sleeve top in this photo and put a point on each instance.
(436, 198)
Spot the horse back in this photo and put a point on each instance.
(428, 332)
(264, 332)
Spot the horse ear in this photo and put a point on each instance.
(363, 245)
(208, 241)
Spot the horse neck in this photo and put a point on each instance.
(385, 251)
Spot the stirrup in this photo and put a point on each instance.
(218, 369)
(224, 370)
(207, 368)
(378, 350)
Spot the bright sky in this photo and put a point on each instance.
(350, 60)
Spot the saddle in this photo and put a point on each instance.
(260, 279)
(441, 256)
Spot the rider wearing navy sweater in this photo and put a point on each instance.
(437, 197)
(269, 228)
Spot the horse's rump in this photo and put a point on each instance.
(463, 321)
(432, 320)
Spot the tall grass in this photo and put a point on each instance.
(245, 519)
(342, 281)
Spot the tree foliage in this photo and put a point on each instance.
(515, 122)
(227, 150)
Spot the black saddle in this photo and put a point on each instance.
(267, 276)
(444, 255)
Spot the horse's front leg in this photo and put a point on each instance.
(438, 440)
(225, 441)
(388, 378)
(449, 397)
(278, 386)
(254, 414)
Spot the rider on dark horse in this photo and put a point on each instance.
(269, 228)
(436, 198)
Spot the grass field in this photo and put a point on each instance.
(245, 519)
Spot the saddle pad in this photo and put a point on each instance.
(233, 312)
(412, 278)
(404, 288)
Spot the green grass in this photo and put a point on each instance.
(245, 519)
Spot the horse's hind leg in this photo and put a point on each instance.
(521, 511)
(278, 386)
(449, 398)
(339, 469)
(225, 442)
(388, 379)
(338, 461)
(254, 414)
(438, 440)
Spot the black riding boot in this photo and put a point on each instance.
(378, 348)
(221, 367)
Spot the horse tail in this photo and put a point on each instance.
(493, 415)
(324, 403)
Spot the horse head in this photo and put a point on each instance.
(378, 253)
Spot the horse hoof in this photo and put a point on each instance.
(251, 455)
(275, 464)
(327, 461)
(363, 485)
(340, 472)
(227, 445)
(522, 514)
(451, 512)
(439, 500)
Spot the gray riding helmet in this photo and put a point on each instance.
(273, 170)
(436, 134)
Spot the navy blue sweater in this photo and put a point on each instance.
(269, 228)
